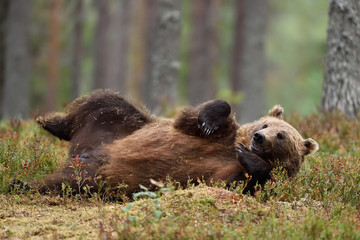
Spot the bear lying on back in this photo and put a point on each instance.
(125, 144)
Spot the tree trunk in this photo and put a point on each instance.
(249, 64)
(53, 64)
(4, 6)
(117, 45)
(123, 54)
(101, 58)
(341, 89)
(143, 23)
(163, 75)
(78, 48)
(17, 63)
(201, 85)
(112, 37)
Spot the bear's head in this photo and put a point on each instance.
(274, 139)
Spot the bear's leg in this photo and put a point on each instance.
(100, 111)
(57, 124)
(258, 169)
(75, 173)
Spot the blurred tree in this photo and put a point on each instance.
(78, 16)
(341, 89)
(17, 61)
(142, 24)
(248, 73)
(4, 4)
(100, 44)
(163, 57)
(125, 10)
(202, 45)
(54, 51)
(111, 44)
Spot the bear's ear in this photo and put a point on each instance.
(311, 146)
(276, 111)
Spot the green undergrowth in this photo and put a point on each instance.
(26, 153)
(321, 202)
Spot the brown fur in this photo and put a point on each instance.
(291, 150)
(125, 144)
(95, 119)
(167, 151)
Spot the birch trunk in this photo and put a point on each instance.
(163, 75)
(341, 89)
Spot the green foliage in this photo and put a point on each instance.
(334, 133)
(25, 154)
(321, 202)
(330, 176)
(295, 49)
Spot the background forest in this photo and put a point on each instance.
(163, 53)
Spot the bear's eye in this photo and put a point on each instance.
(280, 136)
(265, 126)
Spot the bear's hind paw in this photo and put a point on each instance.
(212, 115)
(207, 129)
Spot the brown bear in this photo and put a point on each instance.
(125, 144)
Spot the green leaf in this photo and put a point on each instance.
(128, 207)
(143, 188)
(131, 218)
(157, 213)
(146, 194)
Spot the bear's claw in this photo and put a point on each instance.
(212, 116)
(207, 130)
(240, 147)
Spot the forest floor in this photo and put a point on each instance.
(321, 202)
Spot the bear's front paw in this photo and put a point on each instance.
(252, 163)
(240, 147)
(256, 167)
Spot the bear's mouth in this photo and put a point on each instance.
(256, 148)
(261, 150)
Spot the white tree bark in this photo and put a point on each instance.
(163, 74)
(341, 89)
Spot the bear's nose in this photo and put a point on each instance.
(259, 138)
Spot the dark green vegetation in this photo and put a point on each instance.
(321, 202)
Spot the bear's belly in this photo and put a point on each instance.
(159, 151)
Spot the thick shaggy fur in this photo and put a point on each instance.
(282, 141)
(125, 144)
(95, 119)
(166, 151)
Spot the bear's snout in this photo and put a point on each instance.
(259, 138)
